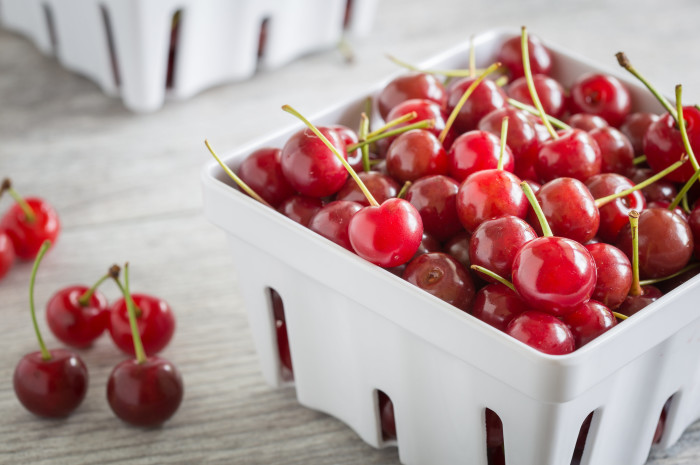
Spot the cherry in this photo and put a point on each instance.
(550, 92)
(586, 122)
(382, 187)
(310, 166)
(476, 151)
(616, 151)
(410, 86)
(300, 208)
(663, 144)
(435, 198)
(458, 247)
(494, 429)
(588, 321)
(154, 321)
(415, 154)
(543, 332)
(658, 190)
(78, 315)
(614, 274)
(443, 276)
(634, 303)
(497, 304)
(694, 224)
(146, 391)
(49, 383)
(424, 110)
(614, 214)
(510, 54)
(522, 136)
(635, 127)
(574, 153)
(7, 253)
(485, 98)
(28, 223)
(262, 171)
(601, 95)
(495, 242)
(333, 219)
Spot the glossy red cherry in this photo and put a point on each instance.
(601, 95)
(476, 151)
(424, 110)
(76, 323)
(543, 332)
(663, 145)
(588, 321)
(694, 224)
(7, 253)
(586, 122)
(616, 151)
(613, 274)
(510, 54)
(333, 219)
(495, 242)
(310, 166)
(661, 190)
(435, 198)
(497, 304)
(387, 235)
(634, 303)
(410, 86)
(300, 208)
(28, 235)
(485, 98)
(635, 127)
(382, 187)
(522, 136)
(458, 247)
(155, 321)
(549, 91)
(262, 172)
(443, 276)
(614, 215)
(415, 154)
(574, 154)
(490, 194)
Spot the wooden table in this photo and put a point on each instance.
(127, 189)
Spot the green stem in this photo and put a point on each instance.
(639, 160)
(625, 63)
(45, 354)
(636, 288)
(546, 230)
(370, 198)
(244, 187)
(424, 124)
(531, 84)
(131, 310)
(441, 72)
(84, 300)
(684, 202)
(684, 190)
(504, 135)
(609, 198)
(404, 189)
(362, 133)
(392, 123)
(533, 111)
(620, 316)
(29, 214)
(493, 275)
(463, 99)
(648, 282)
(682, 128)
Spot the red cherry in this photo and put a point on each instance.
(522, 138)
(663, 145)
(510, 54)
(543, 332)
(410, 86)
(300, 208)
(27, 236)
(262, 172)
(601, 95)
(614, 274)
(635, 127)
(73, 322)
(310, 166)
(549, 91)
(145, 393)
(155, 320)
(586, 122)
(415, 154)
(387, 235)
(51, 388)
(495, 242)
(333, 219)
(425, 110)
(574, 154)
(435, 198)
(382, 187)
(497, 304)
(634, 303)
(485, 98)
(476, 151)
(442, 276)
(588, 321)
(614, 215)
(458, 247)
(694, 224)
(616, 152)
(386, 412)
(7, 253)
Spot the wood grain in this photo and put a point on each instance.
(127, 188)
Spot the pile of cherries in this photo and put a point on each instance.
(53, 383)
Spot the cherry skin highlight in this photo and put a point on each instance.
(75, 324)
(7, 253)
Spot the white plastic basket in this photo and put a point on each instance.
(355, 328)
(124, 45)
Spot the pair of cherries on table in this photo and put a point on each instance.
(145, 391)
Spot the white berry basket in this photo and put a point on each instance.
(124, 45)
(355, 329)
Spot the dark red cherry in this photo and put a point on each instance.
(388, 420)
(635, 127)
(410, 86)
(617, 154)
(284, 351)
(494, 430)
(155, 321)
(574, 154)
(634, 303)
(615, 214)
(442, 276)
(415, 154)
(7, 253)
(485, 98)
(435, 198)
(663, 145)
(522, 136)
(588, 321)
(694, 224)
(262, 171)
(333, 219)
(425, 110)
(665, 243)
(300, 208)
(381, 186)
(145, 393)
(549, 91)
(614, 274)
(554, 274)
(586, 122)
(476, 151)
(310, 166)
(74, 323)
(510, 54)
(661, 190)
(543, 332)
(497, 304)
(51, 388)
(678, 210)
(458, 247)
(28, 235)
(495, 242)
(602, 95)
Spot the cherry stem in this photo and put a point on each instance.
(681, 196)
(463, 99)
(531, 83)
(609, 198)
(244, 187)
(362, 133)
(131, 310)
(26, 208)
(620, 316)
(533, 111)
(639, 160)
(392, 123)
(648, 282)
(625, 63)
(493, 275)
(424, 124)
(472, 57)
(370, 198)
(546, 230)
(501, 81)
(45, 354)
(84, 299)
(441, 72)
(684, 201)
(636, 288)
(683, 129)
(504, 135)
(404, 189)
